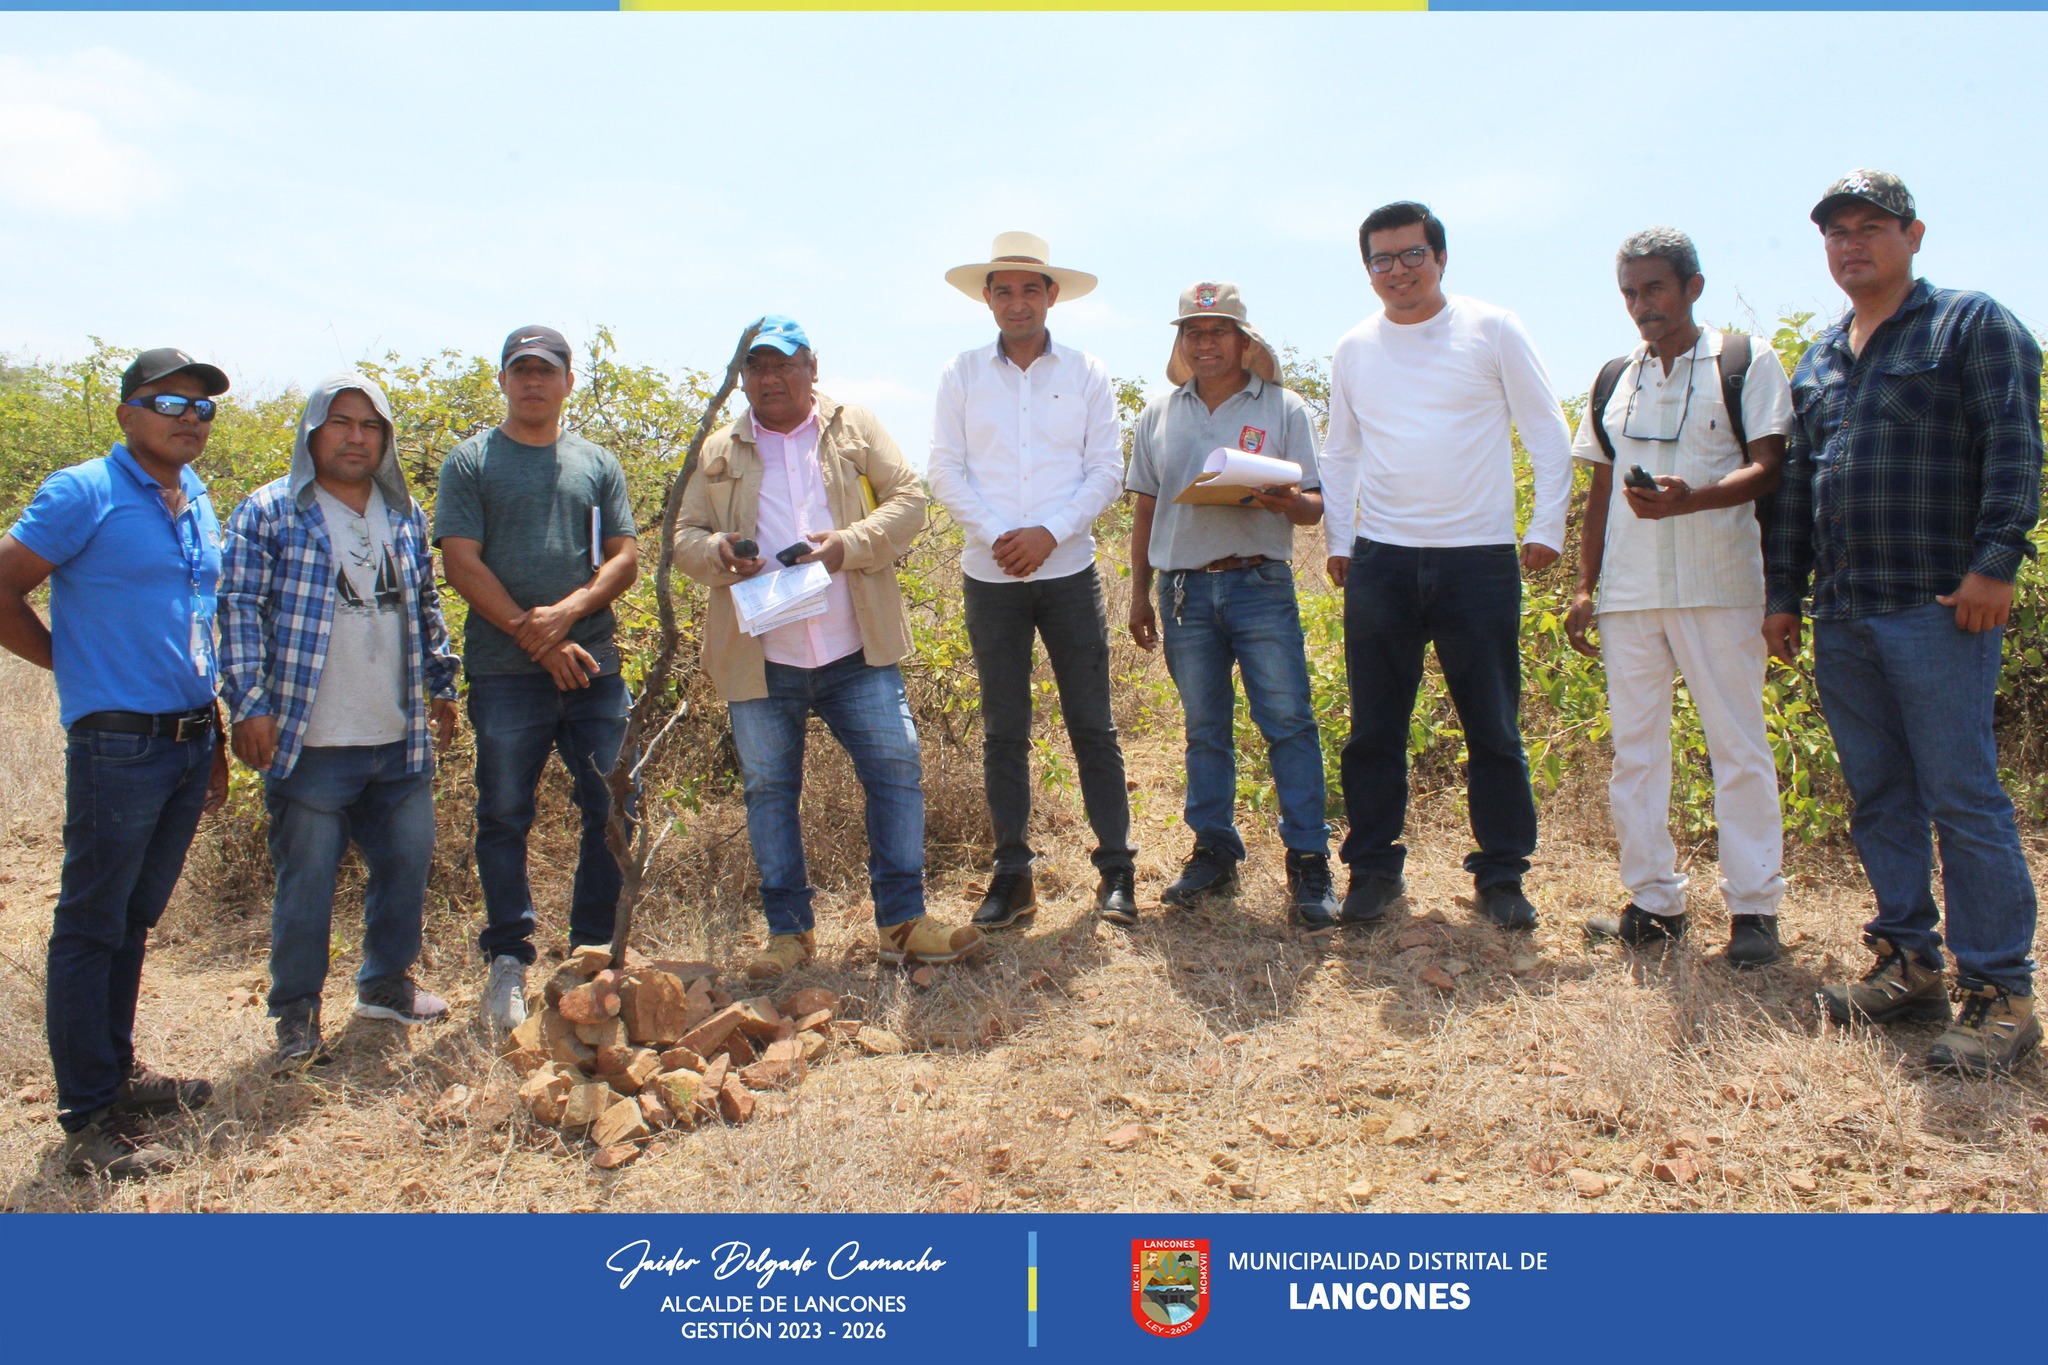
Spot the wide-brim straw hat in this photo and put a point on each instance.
(1019, 251)
(1219, 299)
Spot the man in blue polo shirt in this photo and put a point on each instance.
(131, 550)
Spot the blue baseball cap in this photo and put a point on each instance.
(782, 333)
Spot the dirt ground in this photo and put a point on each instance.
(1204, 1061)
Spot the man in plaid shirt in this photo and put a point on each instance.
(1911, 485)
(332, 644)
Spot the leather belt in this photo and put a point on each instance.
(1226, 564)
(182, 725)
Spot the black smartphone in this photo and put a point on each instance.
(790, 554)
(745, 549)
(1639, 477)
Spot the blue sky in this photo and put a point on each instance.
(285, 193)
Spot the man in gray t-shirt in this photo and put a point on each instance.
(537, 535)
(1226, 593)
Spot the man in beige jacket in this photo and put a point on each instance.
(798, 468)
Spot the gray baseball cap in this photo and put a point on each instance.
(1879, 189)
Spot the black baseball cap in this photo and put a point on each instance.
(165, 361)
(544, 342)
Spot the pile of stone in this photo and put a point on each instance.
(619, 1055)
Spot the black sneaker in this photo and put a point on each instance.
(1506, 906)
(116, 1146)
(1010, 897)
(149, 1091)
(1637, 927)
(398, 999)
(298, 1040)
(1369, 896)
(1311, 898)
(1116, 896)
(1752, 940)
(1209, 871)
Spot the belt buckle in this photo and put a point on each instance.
(192, 727)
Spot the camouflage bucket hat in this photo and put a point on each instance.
(1879, 189)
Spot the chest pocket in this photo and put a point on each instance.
(1908, 389)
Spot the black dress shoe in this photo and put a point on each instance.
(1116, 896)
(1752, 940)
(1311, 898)
(1010, 898)
(1638, 928)
(1209, 871)
(1368, 897)
(1506, 906)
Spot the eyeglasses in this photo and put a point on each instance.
(1628, 418)
(174, 405)
(1381, 262)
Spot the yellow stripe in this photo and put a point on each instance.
(1034, 1289)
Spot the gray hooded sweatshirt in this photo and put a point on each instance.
(331, 620)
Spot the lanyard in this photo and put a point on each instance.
(192, 548)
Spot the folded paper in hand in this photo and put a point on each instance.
(768, 600)
(1228, 476)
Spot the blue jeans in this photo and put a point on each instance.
(867, 712)
(334, 795)
(1908, 699)
(519, 719)
(1249, 618)
(131, 805)
(1467, 600)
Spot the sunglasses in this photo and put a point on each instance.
(174, 405)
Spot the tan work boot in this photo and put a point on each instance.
(782, 954)
(922, 941)
(1896, 988)
(1996, 1029)
(114, 1145)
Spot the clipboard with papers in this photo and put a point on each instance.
(1229, 476)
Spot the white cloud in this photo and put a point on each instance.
(59, 145)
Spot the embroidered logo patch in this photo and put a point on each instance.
(1205, 296)
(1251, 440)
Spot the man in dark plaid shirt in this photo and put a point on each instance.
(1912, 484)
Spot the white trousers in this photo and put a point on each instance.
(1720, 652)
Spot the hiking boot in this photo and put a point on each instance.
(1116, 896)
(1369, 896)
(1311, 897)
(922, 941)
(399, 999)
(1506, 906)
(1010, 897)
(116, 1146)
(1752, 941)
(298, 1039)
(782, 954)
(1637, 927)
(505, 993)
(1898, 987)
(1209, 871)
(149, 1091)
(1996, 1029)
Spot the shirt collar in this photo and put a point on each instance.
(1254, 390)
(791, 435)
(188, 483)
(997, 356)
(1918, 297)
(1707, 346)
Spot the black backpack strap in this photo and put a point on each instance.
(1734, 369)
(1596, 406)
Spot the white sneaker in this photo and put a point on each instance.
(400, 1000)
(505, 994)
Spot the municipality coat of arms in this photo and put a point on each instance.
(1169, 1284)
(1251, 440)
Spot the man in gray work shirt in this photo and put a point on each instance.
(536, 533)
(1226, 593)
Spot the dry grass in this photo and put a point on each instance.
(1265, 1072)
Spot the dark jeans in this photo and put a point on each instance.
(867, 712)
(1908, 697)
(131, 805)
(1467, 600)
(519, 719)
(334, 796)
(1248, 619)
(1066, 613)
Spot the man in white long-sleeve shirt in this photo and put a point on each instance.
(1026, 454)
(1419, 487)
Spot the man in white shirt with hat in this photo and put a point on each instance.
(1026, 454)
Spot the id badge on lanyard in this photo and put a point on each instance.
(192, 545)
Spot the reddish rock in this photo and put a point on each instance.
(735, 1102)
(1587, 1184)
(759, 1019)
(1676, 1170)
(564, 980)
(715, 1072)
(544, 1094)
(740, 1050)
(654, 1110)
(593, 1002)
(586, 1104)
(611, 1158)
(814, 1022)
(620, 1122)
(877, 1042)
(1435, 976)
(589, 959)
(562, 1044)
(809, 1000)
(704, 1038)
(681, 1059)
(654, 1006)
(683, 1093)
(1125, 1138)
(604, 1033)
